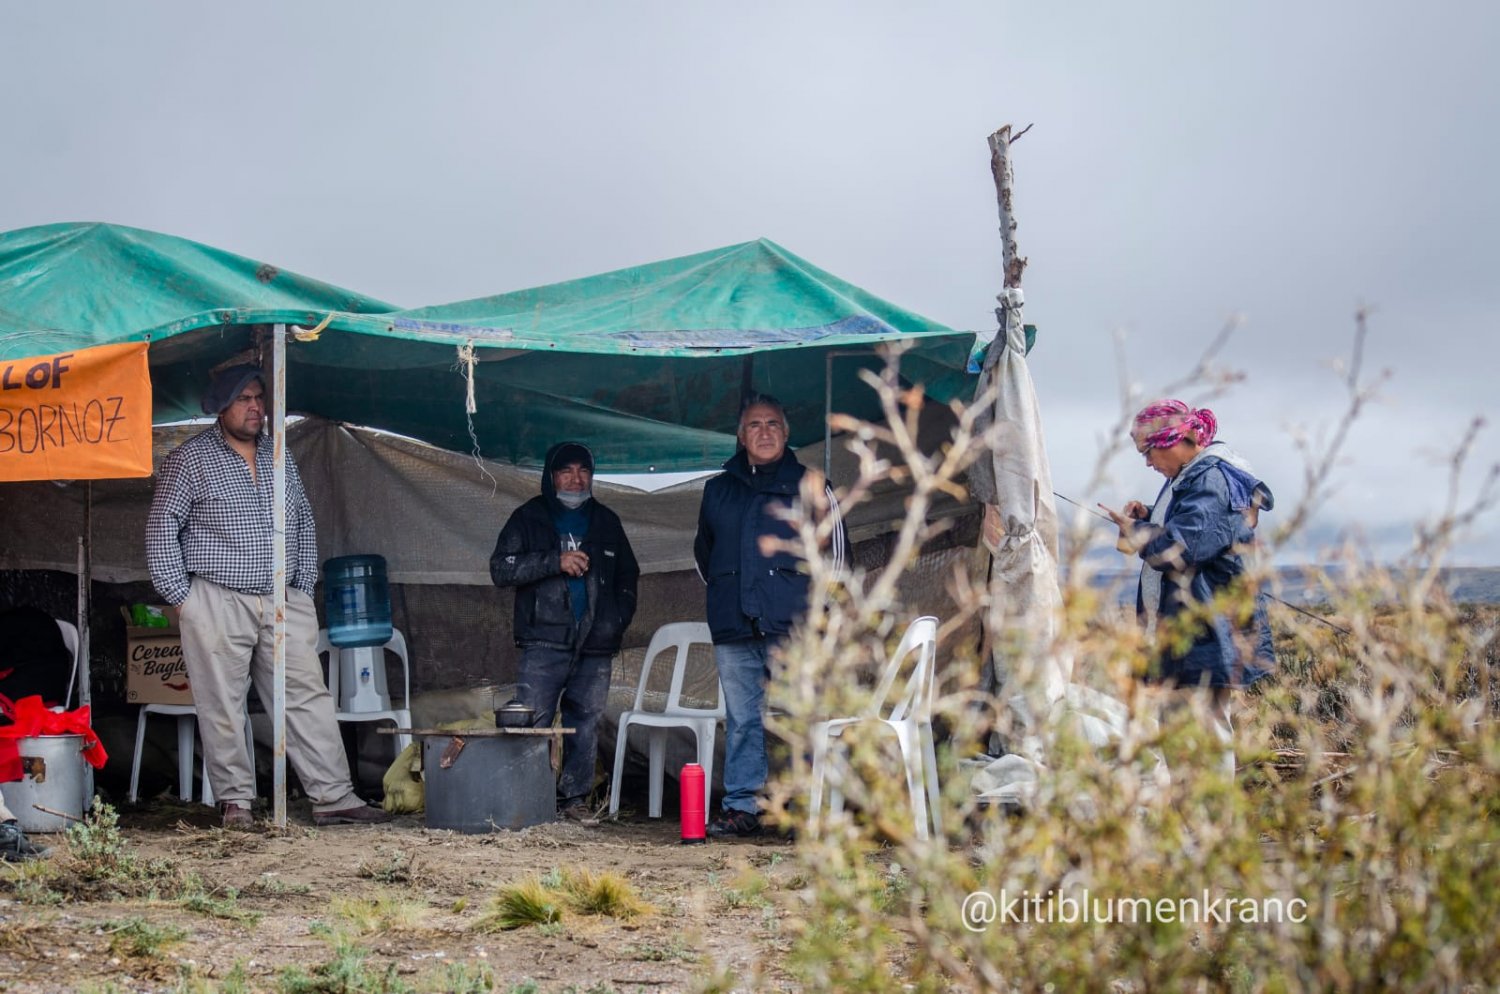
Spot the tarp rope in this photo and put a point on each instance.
(311, 334)
(468, 358)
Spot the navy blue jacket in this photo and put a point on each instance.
(1196, 549)
(752, 594)
(527, 556)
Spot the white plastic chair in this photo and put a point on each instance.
(679, 636)
(70, 640)
(187, 725)
(909, 716)
(400, 716)
(69, 636)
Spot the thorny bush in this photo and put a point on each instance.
(1366, 786)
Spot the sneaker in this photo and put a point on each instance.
(360, 814)
(15, 847)
(236, 816)
(735, 823)
(580, 813)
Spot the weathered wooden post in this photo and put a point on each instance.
(1014, 479)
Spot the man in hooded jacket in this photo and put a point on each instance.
(575, 578)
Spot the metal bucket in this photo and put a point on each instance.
(490, 781)
(56, 777)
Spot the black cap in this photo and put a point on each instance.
(226, 386)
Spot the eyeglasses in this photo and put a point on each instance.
(752, 427)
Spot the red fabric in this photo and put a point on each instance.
(31, 718)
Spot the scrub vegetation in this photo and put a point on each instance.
(1351, 850)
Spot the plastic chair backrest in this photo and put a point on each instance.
(70, 640)
(69, 636)
(681, 636)
(916, 694)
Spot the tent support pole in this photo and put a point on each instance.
(86, 599)
(747, 383)
(278, 572)
(828, 417)
(828, 358)
(80, 677)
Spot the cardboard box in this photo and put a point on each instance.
(155, 671)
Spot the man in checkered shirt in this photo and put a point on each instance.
(208, 544)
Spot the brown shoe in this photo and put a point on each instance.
(236, 816)
(360, 814)
(580, 813)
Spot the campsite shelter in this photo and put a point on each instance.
(646, 364)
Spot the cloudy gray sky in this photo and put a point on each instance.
(1284, 161)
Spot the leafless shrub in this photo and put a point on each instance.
(1355, 844)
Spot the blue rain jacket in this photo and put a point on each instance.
(1197, 549)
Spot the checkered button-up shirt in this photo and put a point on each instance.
(209, 519)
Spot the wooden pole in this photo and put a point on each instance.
(1014, 262)
(984, 483)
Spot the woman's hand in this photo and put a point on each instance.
(1122, 519)
(1129, 543)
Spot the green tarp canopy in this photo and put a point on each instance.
(646, 364)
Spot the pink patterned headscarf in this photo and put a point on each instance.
(1163, 424)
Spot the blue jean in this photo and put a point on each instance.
(743, 672)
(582, 683)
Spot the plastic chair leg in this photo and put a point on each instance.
(621, 738)
(911, 759)
(135, 764)
(403, 720)
(819, 775)
(186, 726)
(208, 788)
(706, 734)
(930, 775)
(656, 749)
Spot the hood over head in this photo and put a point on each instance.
(226, 384)
(564, 454)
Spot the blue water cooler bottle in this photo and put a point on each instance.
(357, 604)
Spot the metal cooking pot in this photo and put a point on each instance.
(514, 714)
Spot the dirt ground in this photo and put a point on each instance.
(411, 898)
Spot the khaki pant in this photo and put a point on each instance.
(227, 640)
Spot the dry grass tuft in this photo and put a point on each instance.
(520, 905)
(610, 894)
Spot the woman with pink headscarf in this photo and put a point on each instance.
(1192, 543)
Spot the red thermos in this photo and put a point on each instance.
(693, 813)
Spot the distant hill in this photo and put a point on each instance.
(1465, 584)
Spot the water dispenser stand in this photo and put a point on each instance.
(362, 687)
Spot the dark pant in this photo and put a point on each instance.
(582, 683)
(743, 671)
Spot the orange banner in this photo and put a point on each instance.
(82, 415)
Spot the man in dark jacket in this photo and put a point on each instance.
(754, 594)
(575, 578)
